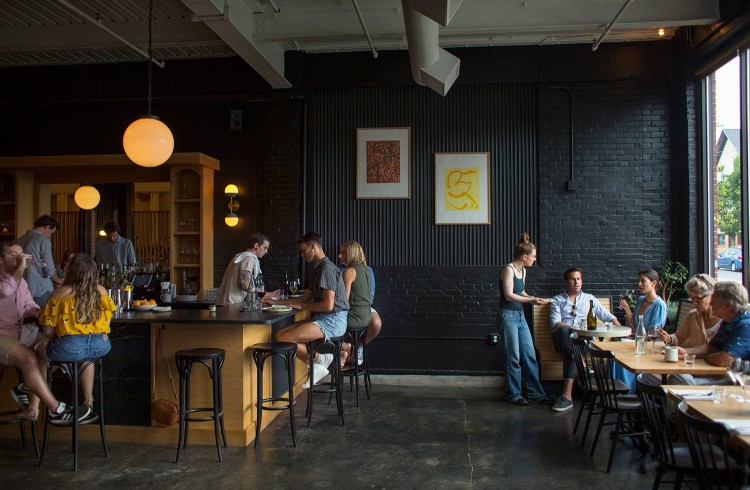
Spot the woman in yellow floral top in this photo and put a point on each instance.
(78, 314)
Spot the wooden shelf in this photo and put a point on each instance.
(187, 266)
(187, 200)
(186, 233)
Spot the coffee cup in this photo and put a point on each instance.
(165, 285)
(166, 297)
(670, 354)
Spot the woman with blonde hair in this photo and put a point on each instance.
(78, 315)
(700, 325)
(519, 346)
(357, 285)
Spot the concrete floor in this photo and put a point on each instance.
(405, 437)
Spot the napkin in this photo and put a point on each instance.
(689, 394)
(741, 426)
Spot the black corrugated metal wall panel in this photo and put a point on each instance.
(499, 119)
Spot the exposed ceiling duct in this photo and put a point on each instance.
(431, 65)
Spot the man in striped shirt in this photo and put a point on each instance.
(325, 299)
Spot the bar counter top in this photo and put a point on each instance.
(223, 315)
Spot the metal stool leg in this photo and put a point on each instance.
(216, 379)
(260, 359)
(181, 371)
(290, 357)
(221, 403)
(101, 408)
(76, 374)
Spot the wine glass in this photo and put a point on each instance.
(734, 370)
(294, 286)
(260, 289)
(653, 334)
(624, 295)
(250, 296)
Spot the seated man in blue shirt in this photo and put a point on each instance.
(728, 302)
(566, 309)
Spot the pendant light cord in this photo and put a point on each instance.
(150, 50)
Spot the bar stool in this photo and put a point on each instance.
(72, 370)
(332, 386)
(185, 360)
(20, 422)
(261, 352)
(352, 369)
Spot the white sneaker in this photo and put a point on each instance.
(324, 360)
(360, 356)
(319, 372)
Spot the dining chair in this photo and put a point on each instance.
(612, 401)
(587, 384)
(672, 456)
(718, 461)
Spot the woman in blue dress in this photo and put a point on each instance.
(650, 306)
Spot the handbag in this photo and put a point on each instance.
(165, 411)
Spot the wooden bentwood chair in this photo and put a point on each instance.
(672, 456)
(717, 461)
(612, 401)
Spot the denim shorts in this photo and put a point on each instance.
(331, 324)
(78, 347)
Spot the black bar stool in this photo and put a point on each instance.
(72, 370)
(352, 369)
(261, 352)
(332, 386)
(185, 360)
(20, 422)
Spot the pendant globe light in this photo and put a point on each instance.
(86, 197)
(148, 142)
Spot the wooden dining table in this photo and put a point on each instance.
(654, 363)
(732, 412)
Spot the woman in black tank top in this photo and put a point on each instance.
(519, 347)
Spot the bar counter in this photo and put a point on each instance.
(135, 373)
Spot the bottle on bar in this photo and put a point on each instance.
(640, 337)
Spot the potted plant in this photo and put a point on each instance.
(673, 278)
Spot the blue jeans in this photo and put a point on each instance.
(78, 347)
(519, 353)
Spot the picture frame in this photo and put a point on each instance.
(462, 189)
(383, 163)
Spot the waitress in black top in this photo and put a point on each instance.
(519, 347)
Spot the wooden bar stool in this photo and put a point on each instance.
(213, 360)
(334, 386)
(20, 422)
(72, 370)
(352, 369)
(261, 352)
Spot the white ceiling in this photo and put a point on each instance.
(53, 32)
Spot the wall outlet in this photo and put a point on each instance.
(493, 338)
(235, 120)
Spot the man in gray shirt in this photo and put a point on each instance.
(325, 299)
(115, 249)
(41, 274)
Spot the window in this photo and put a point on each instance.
(725, 197)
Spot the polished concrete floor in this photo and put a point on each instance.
(404, 437)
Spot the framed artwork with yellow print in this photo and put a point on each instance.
(462, 189)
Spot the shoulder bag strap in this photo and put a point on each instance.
(169, 370)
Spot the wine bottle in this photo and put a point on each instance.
(591, 318)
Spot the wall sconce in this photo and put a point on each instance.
(148, 142)
(231, 191)
(86, 197)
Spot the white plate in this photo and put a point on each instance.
(277, 309)
(144, 307)
(296, 295)
(162, 309)
(186, 297)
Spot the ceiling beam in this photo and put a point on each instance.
(234, 23)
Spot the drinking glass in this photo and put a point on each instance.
(294, 286)
(734, 371)
(719, 395)
(260, 289)
(653, 334)
(624, 295)
(689, 360)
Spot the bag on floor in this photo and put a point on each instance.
(165, 411)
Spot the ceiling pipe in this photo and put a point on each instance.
(364, 28)
(431, 66)
(98, 23)
(610, 25)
